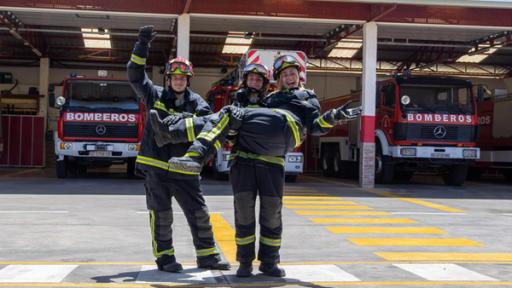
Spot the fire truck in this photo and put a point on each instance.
(495, 139)
(220, 95)
(100, 123)
(421, 124)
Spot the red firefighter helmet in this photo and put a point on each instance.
(179, 66)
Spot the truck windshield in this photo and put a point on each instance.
(436, 99)
(101, 96)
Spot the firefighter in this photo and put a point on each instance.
(264, 137)
(161, 182)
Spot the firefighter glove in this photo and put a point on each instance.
(176, 117)
(146, 34)
(345, 113)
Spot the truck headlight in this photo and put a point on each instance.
(133, 147)
(65, 146)
(408, 151)
(295, 159)
(469, 153)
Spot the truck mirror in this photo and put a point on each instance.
(60, 101)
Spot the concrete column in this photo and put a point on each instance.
(183, 36)
(367, 156)
(44, 81)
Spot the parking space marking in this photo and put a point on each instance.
(35, 273)
(324, 202)
(426, 213)
(339, 207)
(190, 275)
(362, 220)
(339, 213)
(414, 242)
(384, 230)
(309, 273)
(224, 235)
(443, 256)
(29, 211)
(444, 272)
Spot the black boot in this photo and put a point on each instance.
(244, 270)
(271, 269)
(160, 130)
(213, 263)
(167, 263)
(186, 164)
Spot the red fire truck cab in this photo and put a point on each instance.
(421, 123)
(101, 123)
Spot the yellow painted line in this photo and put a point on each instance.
(338, 207)
(414, 242)
(291, 197)
(326, 202)
(349, 213)
(363, 220)
(272, 284)
(441, 256)
(392, 195)
(385, 230)
(224, 236)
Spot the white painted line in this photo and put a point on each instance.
(507, 214)
(35, 273)
(190, 275)
(425, 213)
(317, 273)
(444, 272)
(28, 211)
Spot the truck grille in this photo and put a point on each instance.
(93, 130)
(426, 132)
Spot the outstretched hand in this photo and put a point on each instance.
(345, 113)
(146, 34)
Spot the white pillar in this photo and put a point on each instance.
(367, 132)
(183, 35)
(44, 81)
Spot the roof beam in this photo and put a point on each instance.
(14, 23)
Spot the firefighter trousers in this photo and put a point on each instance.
(251, 178)
(159, 193)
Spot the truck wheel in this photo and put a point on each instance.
(326, 161)
(474, 173)
(508, 175)
(290, 178)
(130, 168)
(384, 167)
(404, 176)
(456, 175)
(61, 169)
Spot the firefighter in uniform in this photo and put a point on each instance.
(263, 139)
(162, 182)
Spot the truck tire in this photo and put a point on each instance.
(327, 160)
(474, 173)
(456, 175)
(290, 178)
(508, 174)
(130, 168)
(61, 169)
(384, 167)
(404, 176)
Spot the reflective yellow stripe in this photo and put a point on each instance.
(161, 106)
(245, 240)
(270, 241)
(253, 106)
(321, 121)
(191, 134)
(292, 124)
(138, 60)
(155, 246)
(265, 158)
(216, 130)
(217, 145)
(206, 252)
(192, 154)
(160, 164)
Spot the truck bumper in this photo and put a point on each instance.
(99, 150)
(432, 152)
(294, 162)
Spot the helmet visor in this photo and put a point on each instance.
(178, 68)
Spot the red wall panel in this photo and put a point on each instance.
(23, 141)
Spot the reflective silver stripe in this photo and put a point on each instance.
(138, 60)
(160, 164)
(270, 241)
(189, 124)
(153, 241)
(321, 121)
(206, 252)
(292, 124)
(245, 240)
(216, 130)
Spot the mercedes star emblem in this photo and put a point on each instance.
(440, 132)
(101, 130)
